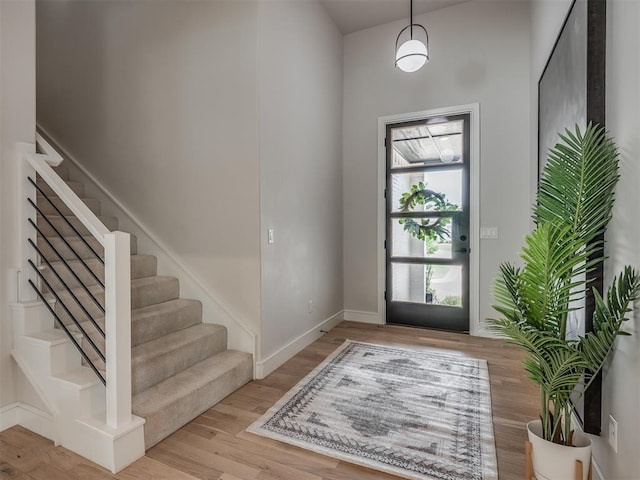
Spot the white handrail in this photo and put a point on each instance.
(53, 158)
(40, 164)
(117, 274)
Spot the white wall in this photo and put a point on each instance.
(479, 53)
(300, 65)
(17, 124)
(621, 389)
(158, 100)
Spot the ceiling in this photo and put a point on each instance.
(352, 15)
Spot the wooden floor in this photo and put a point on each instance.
(216, 446)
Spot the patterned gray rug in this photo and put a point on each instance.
(414, 412)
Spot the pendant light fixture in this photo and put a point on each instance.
(413, 53)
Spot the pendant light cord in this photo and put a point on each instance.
(411, 18)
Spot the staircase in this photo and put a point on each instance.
(180, 366)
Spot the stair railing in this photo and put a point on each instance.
(117, 278)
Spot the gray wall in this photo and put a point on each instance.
(621, 389)
(300, 70)
(479, 53)
(17, 120)
(158, 100)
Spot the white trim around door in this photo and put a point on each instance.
(474, 265)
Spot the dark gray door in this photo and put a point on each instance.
(427, 235)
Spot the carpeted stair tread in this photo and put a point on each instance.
(180, 366)
(66, 246)
(76, 187)
(142, 266)
(154, 321)
(62, 171)
(144, 292)
(78, 246)
(63, 227)
(159, 359)
(48, 209)
(177, 400)
(153, 290)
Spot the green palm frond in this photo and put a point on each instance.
(608, 318)
(577, 184)
(505, 292)
(553, 364)
(542, 290)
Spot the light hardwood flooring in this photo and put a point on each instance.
(216, 446)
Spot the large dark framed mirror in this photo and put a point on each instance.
(571, 91)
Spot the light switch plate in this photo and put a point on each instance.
(489, 232)
(270, 236)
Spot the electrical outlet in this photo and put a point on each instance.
(310, 306)
(613, 433)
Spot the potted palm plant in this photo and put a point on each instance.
(534, 301)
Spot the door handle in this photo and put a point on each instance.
(462, 250)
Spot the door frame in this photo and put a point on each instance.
(474, 199)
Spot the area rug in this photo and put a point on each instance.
(418, 413)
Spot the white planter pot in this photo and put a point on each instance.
(558, 462)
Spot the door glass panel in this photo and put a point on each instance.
(447, 184)
(406, 242)
(427, 222)
(432, 143)
(428, 284)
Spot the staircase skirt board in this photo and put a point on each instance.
(180, 366)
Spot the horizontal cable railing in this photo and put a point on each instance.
(75, 230)
(61, 259)
(79, 285)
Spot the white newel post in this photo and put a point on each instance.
(26, 190)
(117, 276)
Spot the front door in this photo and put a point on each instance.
(427, 216)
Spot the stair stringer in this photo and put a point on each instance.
(72, 392)
(240, 336)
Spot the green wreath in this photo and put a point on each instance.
(426, 229)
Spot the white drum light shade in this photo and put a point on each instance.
(411, 56)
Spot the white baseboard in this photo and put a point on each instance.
(597, 471)
(273, 361)
(29, 417)
(363, 317)
(9, 416)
